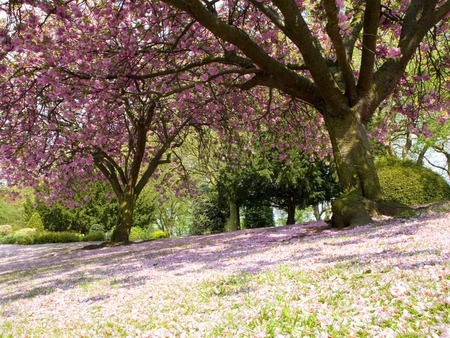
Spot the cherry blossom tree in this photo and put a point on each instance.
(344, 58)
(98, 89)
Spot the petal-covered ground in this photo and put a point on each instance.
(387, 279)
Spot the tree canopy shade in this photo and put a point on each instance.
(344, 58)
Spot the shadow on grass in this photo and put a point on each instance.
(31, 271)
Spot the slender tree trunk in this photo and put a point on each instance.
(234, 222)
(121, 232)
(290, 212)
(407, 147)
(317, 213)
(422, 155)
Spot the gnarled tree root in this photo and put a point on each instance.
(354, 209)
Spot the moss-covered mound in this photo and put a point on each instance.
(405, 182)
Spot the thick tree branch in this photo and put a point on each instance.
(333, 31)
(419, 19)
(110, 176)
(370, 31)
(298, 31)
(442, 12)
(251, 49)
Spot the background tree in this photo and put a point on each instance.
(210, 212)
(344, 58)
(258, 217)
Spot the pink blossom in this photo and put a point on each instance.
(394, 53)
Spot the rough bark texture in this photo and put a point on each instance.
(354, 162)
(290, 212)
(363, 197)
(356, 171)
(121, 232)
(234, 222)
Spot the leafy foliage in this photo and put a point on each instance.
(5, 230)
(411, 184)
(258, 217)
(138, 233)
(95, 236)
(56, 237)
(159, 234)
(210, 213)
(35, 222)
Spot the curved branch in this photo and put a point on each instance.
(333, 31)
(298, 31)
(239, 38)
(110, 176)
(370, 29)
(419, 19)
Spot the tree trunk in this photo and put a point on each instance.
(317, 213)
(421, 157)
(362, 198)
(356, 171)
(234, 222)
(121, 232)
(290, 212)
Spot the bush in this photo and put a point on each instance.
(25, 231)
(8, 240)
(406, 182)
(24, 239)
(35, 222)
(56, 237)
(258, 217)
(138, 233)
(5, 230)
(94, 228)
(97, 236)
(159, 234)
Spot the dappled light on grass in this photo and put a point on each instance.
(387, 279)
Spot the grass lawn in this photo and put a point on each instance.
(387, 279)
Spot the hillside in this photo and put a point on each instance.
(387, 279)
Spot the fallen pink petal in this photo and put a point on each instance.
(386, 279)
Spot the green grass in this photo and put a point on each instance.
(364, 282)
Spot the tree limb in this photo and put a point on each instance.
(239, 38)
(333, 31)
(370, 31)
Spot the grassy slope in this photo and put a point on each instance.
(389, 279)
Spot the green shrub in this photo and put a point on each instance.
(138, 233)
(5, 230)
(94, 228)
(56, 237)
(408, 183)
(25, 231)
(8, 240)
(159, 234)
(97, 236)
(24, 239)
(35, 222)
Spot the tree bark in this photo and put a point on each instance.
(317, 213)
(352, 154)
(355, 168)
(290, 212)
(121, 233)
(234, 222)
(362, 198)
